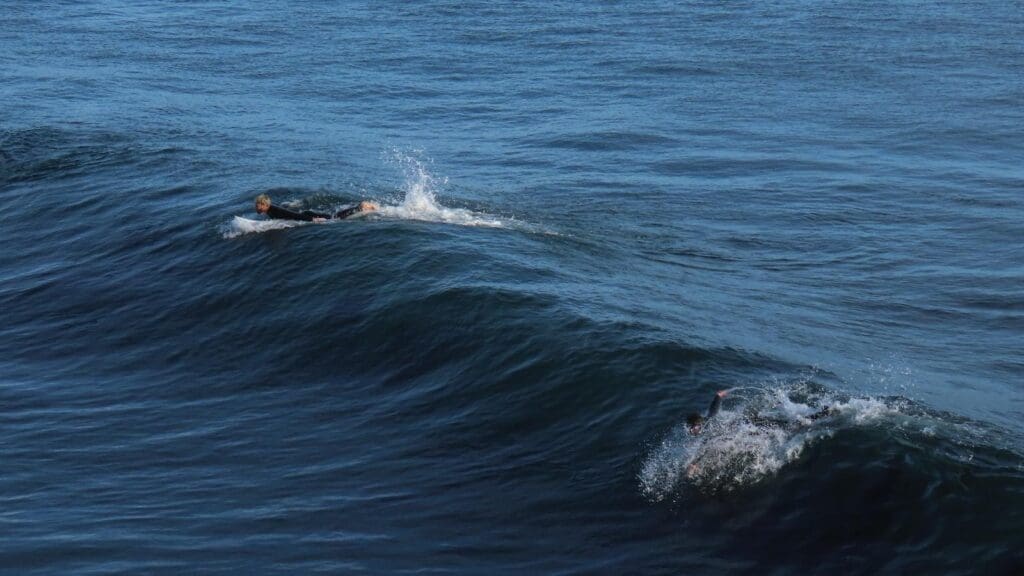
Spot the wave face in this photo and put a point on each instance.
(593, 217)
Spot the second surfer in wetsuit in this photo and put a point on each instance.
(263, 206)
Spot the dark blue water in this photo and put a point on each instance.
(594, 215)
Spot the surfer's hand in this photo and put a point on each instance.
(722, 393)
(319, 220)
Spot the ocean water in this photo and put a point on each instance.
(594, 216)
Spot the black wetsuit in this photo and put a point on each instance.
(278, 213)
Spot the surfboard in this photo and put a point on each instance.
(241, 225)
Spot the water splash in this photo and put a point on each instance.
(420, 201)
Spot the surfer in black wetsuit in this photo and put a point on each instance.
(263, 206)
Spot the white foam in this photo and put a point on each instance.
(420, 201)
(733, 450)
(240, 226)
(867, 410)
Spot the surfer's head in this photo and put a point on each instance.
(694, 422)
(262, 203)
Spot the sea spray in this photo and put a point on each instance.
(420, 199)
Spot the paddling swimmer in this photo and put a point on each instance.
(263, 206)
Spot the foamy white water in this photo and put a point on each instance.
(420, 201)
(735, 450)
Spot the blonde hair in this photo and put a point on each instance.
(263, 199)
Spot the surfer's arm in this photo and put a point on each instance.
(716, 404)
(694, 467)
